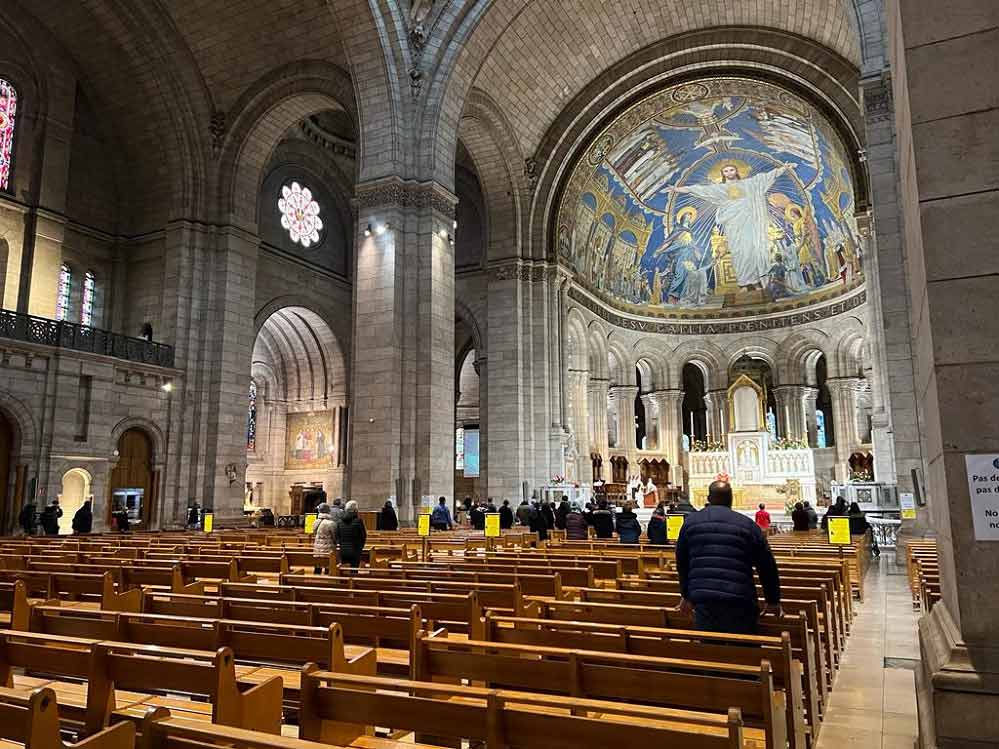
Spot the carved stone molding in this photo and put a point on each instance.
(394, 191)
(528, 272)
(750, 325)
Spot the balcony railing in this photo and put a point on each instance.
(41, 330)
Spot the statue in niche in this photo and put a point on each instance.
(571, 460)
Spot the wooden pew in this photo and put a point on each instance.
(340, 708)
(675, 643)
(31, 720)
(14, 605)
(663, 682)
(110, 668)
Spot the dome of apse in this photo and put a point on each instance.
(718, 198)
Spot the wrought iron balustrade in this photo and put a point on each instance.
(31, 329)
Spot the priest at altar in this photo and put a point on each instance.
(651, 493)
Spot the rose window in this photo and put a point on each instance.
(300, 214)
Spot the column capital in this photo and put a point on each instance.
(621, 391)
(399, 192)
(843, 384)
(597, 385)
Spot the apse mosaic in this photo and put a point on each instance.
(717, 194)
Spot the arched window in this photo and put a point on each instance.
(251, 418)
(87, 306)
(8, 115)
(65, 287)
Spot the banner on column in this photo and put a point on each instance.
(673, 525)
(310, 523)
(492, 525)
(208, 522)
(839, 531)
(423, 525)
(983, 486)
(907, 503)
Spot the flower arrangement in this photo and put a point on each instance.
(707, 446)
(722, 477)
(558, 479)
(862, 475)
(788, 444)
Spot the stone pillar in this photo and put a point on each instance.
(949, 191)
(624, 398)
(791, 419)
(651, 421)
(669, 404)
(578, 416)
(481, 365)
(809, 400)
(843, 391)
(717, 403)
(402, 395)
(597, 392)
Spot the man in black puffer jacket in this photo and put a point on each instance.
(715, 556)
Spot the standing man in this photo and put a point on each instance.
(715, 557)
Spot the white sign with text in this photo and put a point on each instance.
(983, 485)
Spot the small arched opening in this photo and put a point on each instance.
(76, 489)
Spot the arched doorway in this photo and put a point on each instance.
(132, 486)
(6, 469)
(75, 491)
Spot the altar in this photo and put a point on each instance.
(758, 468)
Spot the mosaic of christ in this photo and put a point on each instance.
(710, 195)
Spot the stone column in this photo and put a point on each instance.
(949, 192)
(577, 408)
(809, 399)
(651, 421)
(843, 391)
(717, 403)
(669, 404)
(481, 365)
(597, 392)
(402, 396)
(624, 397)
(791, 419)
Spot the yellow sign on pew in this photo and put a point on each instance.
(423, 525)
(839, 531)
(310, 523)
(492, 525)
(673, 525)
(208, 522)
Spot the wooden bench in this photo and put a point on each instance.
(107, 669)
(13, 605)
(342, 709)
(675, 643)
(662, 682)
(31, 720)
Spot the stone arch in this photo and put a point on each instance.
(847, 359)
(150, 428)
(264, 113)
(487, 136)
(760, 347)
(620, 365)
(304, 353)
(470, 318)
(707, 356)
(796, 354)
(78, 484)
(20, 416)
(577, 347)
(499, 39)
(597, 338)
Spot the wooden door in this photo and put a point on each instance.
(133, 471)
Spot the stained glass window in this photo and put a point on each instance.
(820, 428)
(87, 307)
(65, 286)
(251, 418)
(300, 214)
(8, 113)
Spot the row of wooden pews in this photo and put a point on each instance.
(438, 642)
(923, 566)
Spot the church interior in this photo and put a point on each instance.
(256, 257)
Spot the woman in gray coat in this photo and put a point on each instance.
(323, 538)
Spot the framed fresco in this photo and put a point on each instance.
(309, 443)
(716, 197)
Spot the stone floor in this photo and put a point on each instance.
(873, 703)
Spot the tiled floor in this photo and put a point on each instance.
(873, 706)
